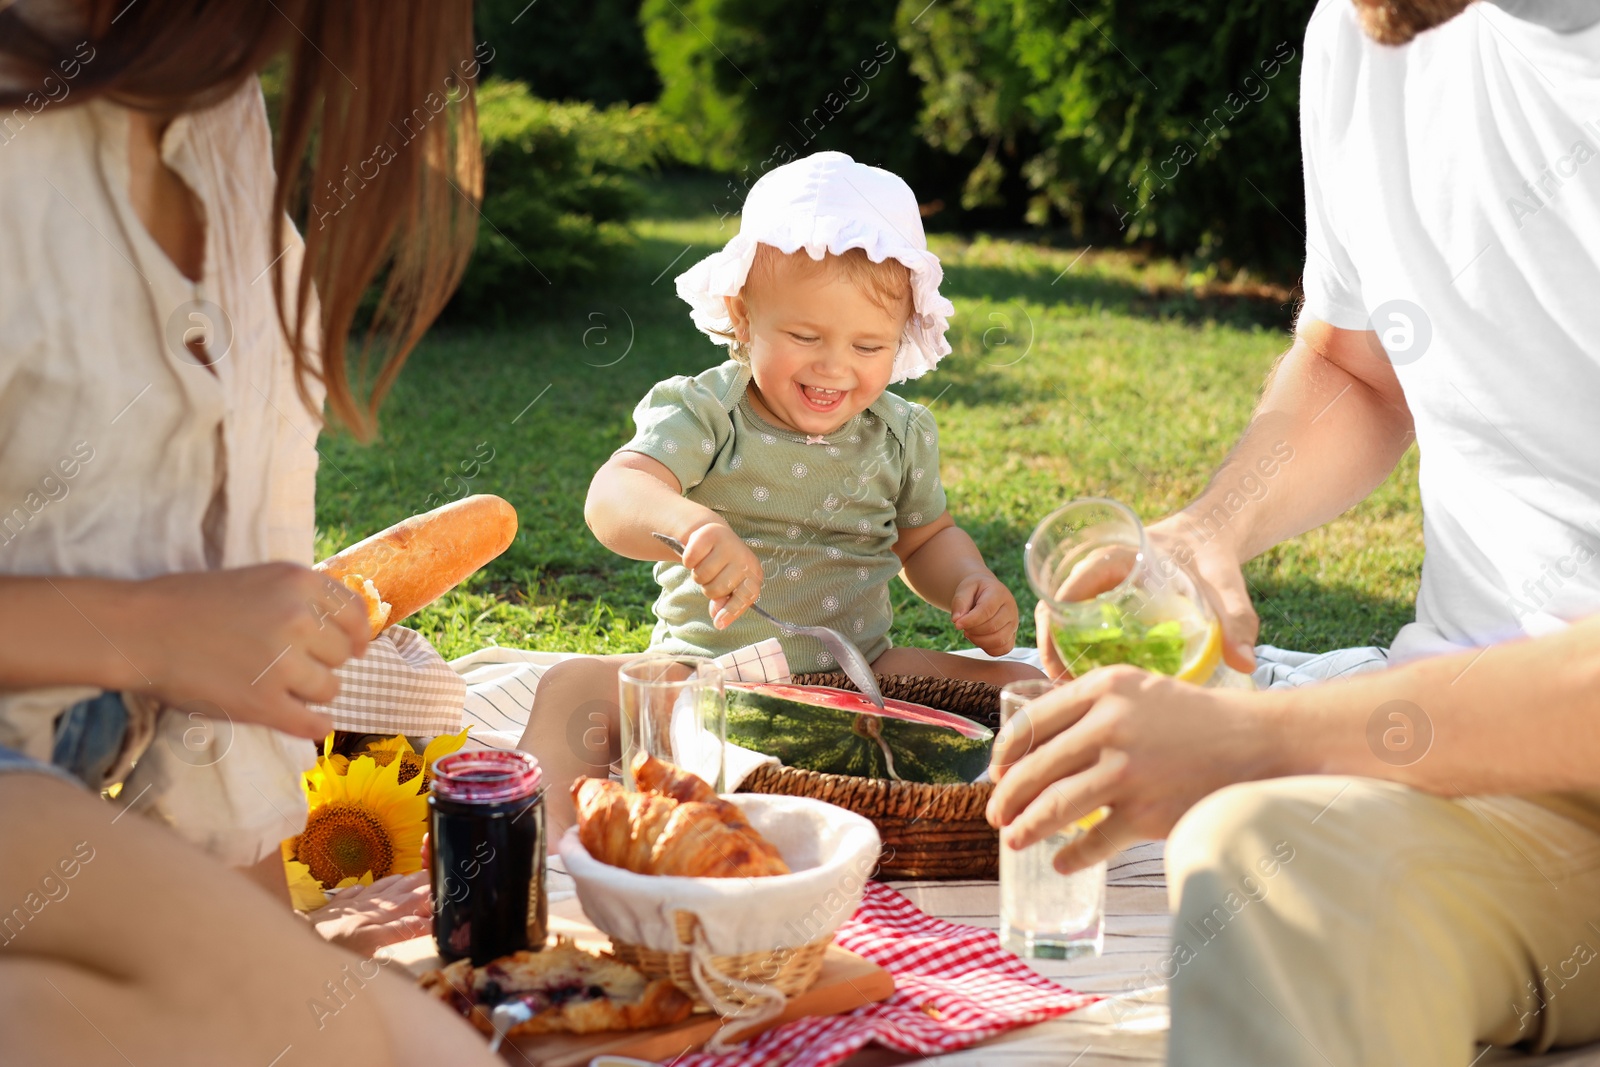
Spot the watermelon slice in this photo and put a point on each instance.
(837, 731)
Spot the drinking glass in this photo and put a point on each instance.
(1043, 913)
(673, 708)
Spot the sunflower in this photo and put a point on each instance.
(362, 822)
(330, 762)
(305, 892)
(411, 764)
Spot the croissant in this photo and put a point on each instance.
(657, 776)
(657, 833)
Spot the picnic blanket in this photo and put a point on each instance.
(954, 986)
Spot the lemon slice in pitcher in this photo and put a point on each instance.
(1202, 651)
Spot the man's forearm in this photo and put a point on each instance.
(1520, 717)
(1330, 427)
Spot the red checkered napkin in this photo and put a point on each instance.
(954, 985)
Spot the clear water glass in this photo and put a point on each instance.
(674, 708)
(1043, 913)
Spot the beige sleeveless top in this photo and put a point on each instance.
(120, 455)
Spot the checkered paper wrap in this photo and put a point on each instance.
(400, 685)
(954, 985)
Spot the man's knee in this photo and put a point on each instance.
(1244, 835)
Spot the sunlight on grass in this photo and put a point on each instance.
(1073, 373)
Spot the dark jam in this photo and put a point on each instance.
(487, 834)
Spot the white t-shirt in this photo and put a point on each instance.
(1453, 206)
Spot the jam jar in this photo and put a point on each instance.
(487, 833)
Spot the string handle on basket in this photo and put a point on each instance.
(766, 1001)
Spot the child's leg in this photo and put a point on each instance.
(927, 662)
(573, 730)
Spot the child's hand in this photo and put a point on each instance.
(725, 569)
(985, 611)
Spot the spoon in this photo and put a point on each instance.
(850, 659)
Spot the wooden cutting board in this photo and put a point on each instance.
(847, 982)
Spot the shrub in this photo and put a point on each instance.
(761, 83)
(1169, 120)
(556, 192)
(591, 51)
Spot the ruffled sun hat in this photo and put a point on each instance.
(827, 202)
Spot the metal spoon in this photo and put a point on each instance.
(851, 661)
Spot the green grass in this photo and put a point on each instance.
(1073, 374)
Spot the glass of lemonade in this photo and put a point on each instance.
(1043, 913)
(1113, 599)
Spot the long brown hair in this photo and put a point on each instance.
(377, 148)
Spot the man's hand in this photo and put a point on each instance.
(724, 568)
(258, 643)
(984, 610)
(1218, 574)
(1145, 745)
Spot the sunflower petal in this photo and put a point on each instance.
(443, 745)
(305, 892)
(397, 743)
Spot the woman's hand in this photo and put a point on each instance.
(364, 918)
(984, 610)
(254, 644)
(724, 568)
(1143, 744)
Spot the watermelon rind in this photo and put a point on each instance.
(907, 742)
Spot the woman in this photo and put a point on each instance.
(167, 343)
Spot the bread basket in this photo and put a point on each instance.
(738, 945)
(928, 831)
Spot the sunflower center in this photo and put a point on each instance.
(410, 766)
(345, 840)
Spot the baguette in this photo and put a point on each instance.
(415, 562)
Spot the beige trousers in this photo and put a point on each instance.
(1347, 921)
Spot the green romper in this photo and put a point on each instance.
(822, 513)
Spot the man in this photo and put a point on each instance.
(1391, 867)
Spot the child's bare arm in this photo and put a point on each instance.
(633, 496)
(942, 565)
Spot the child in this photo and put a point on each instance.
(788, 472)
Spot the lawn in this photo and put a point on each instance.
(1074, 373)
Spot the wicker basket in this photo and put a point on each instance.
(791, 970)
(929, 831)
(737, 943)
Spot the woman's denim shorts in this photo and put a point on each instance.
(88, 738)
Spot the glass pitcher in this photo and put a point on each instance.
(1112, 598)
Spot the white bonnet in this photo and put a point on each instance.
(827, 202)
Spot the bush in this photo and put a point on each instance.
(1169, 121)
(592, 51)
(760, 83)
(556, 192)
